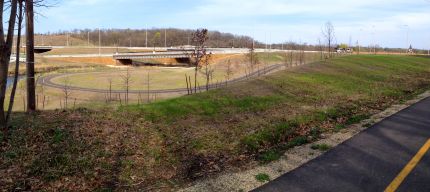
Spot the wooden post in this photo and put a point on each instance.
(189, 80)
(43, 104)
(31, 90)
(186, 80)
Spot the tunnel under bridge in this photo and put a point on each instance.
(128, 58)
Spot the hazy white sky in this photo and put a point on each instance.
(386, 21)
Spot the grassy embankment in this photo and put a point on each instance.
(170, 78)
(160, 78)
(162, 145)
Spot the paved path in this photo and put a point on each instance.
(394, 153)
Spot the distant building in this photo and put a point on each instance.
(344, 50)
(410, 50)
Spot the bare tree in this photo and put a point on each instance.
(67, 92)
(229, 71)
(110, 81)
(208, 69)
(320, 48)
(302, 55)
(16, 74)
(126, 78)
(328, 33)
(148, 85)
(252, 58)
(156, 39)
(31, 85)
(5, 53)
(199, 38)
(291, 54)
(286, 57)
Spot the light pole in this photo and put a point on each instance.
(67, 38)
(188, 39)
(359, 39)
(146, 37)
(265, 42)
(165, 37)
(407, 37)
(100, 43)
(373, 39)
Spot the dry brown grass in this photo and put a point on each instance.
(164, 145)
(92, 60)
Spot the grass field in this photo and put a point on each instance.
(159, 78)
(168, 78)
(164, 145)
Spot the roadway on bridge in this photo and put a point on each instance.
(394, 153)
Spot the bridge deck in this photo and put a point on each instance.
(153, 55)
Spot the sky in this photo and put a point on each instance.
(388, 23)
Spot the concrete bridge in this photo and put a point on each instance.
(41, 49)
(127, 58)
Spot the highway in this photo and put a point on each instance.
(161, 50)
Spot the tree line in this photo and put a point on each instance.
(158, 37)
(173, 37)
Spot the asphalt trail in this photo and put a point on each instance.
(371, 160)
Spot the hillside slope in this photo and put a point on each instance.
(164, 145)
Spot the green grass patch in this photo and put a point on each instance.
(357, 119)
(269, 156)
(195, 105)
(262, 177)
(321, 147)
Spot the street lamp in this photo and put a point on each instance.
(100, 43)
(407, 37)
(373, 39)
(359, 40)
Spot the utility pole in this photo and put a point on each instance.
(373, 39)
(67, 39)
(31, 87)
(358, 45)
(265, 41)
(270, 39)
(360, 37)
(100, 43)
(88, 43)
(407, 38)
(165, 37)
(146, 38)
(188, 39)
